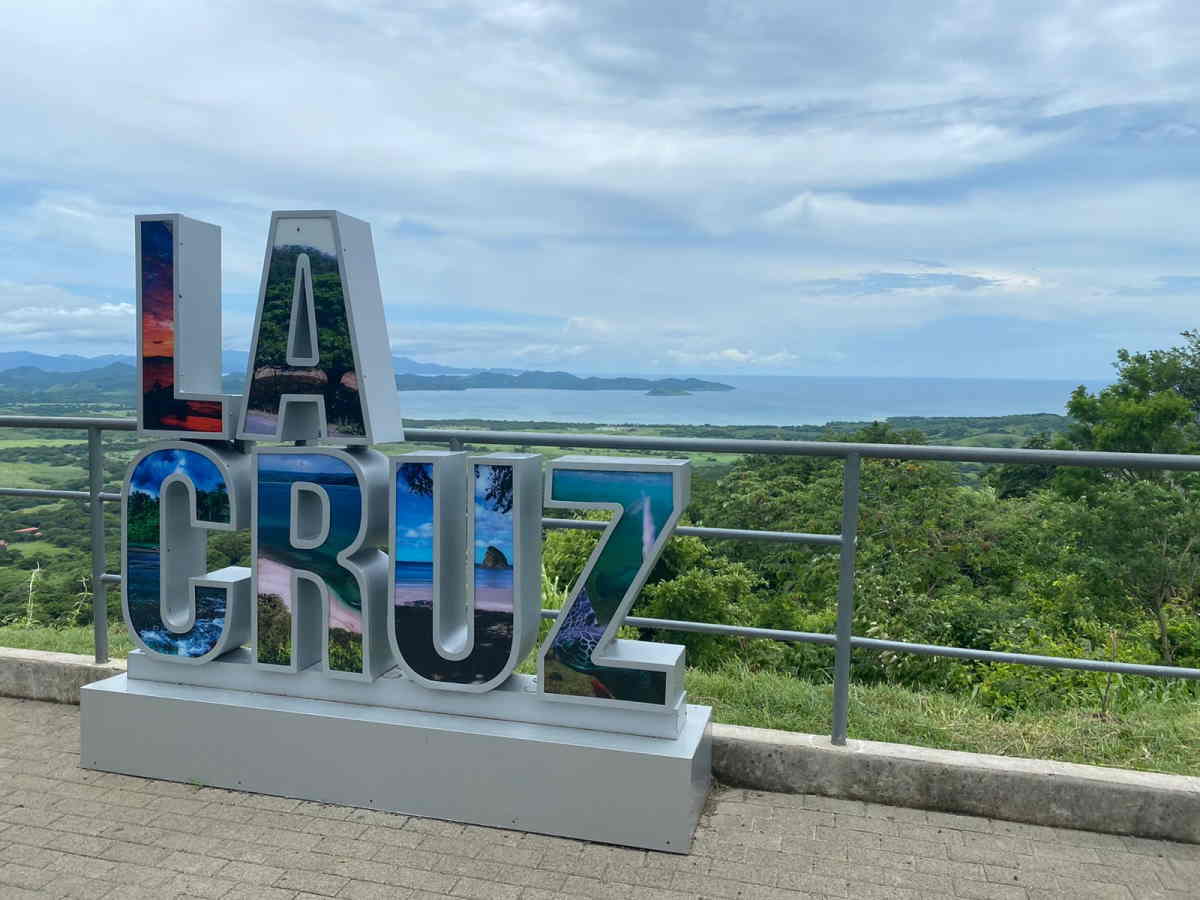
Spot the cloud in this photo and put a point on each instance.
(623, 186)
(1166, 285)
(887, 282)
(31, 314)
(732, 356)
(155, 468)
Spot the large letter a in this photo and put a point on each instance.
(320, 366)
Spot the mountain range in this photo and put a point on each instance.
(14, 359)
(59, 375)
(232, 362)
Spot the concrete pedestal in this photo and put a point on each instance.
(599, 786)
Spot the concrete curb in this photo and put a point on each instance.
(1040, 792)
(41, 675)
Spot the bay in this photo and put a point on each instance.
(758, 400)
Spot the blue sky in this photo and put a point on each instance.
(154, 469)
(492, 527)
(414, 523)
(890, 188)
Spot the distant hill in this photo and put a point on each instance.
(117, 376)
(403, 365)
(15, 359)
(233, 362)
(555, 381)
(107, 374)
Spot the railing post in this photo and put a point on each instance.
(845, 599)
(99, 557)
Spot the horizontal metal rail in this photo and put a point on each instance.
(75, 422)
(862, 643)
(55, 495)
(730, 534)
(848, 451)
(838, 449)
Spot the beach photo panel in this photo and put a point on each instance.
(582, 659)
(320, 364)
(178, 282)
(465, 547)
(320, 582)
(174, 494)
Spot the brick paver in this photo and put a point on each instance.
(66, 832)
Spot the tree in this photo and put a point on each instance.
(1022, 479)
(1144, 541)
(1153, 407)
(333, 335)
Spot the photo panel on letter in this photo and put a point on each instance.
(179, 330)
(174, 608)
(466, 563)
(582, 659)
(320, 364)
(320, 583)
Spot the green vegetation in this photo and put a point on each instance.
(334, 376)
(65, 638)
(1156, 735)
(1101, 564)
(143, 513)
(274, 631)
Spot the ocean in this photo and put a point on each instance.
(758, 400)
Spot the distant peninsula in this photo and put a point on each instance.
(557, 381)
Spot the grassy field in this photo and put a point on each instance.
(1155, 737)
(38, 475)
(11, 441)
(1159, 736)
(41, 550)
(74, 639)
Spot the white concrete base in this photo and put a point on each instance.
(516, 700)
(57, 677)
(614, 788)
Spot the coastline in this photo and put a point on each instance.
(490, 598)
(275, 578)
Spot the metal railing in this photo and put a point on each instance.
(852, 454)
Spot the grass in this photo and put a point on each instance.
(10, 442)
(1157, 736)
(38, 475)
(38, 549)
(65, 639)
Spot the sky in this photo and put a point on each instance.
(414, 522)
(907, 188)
(154, 469)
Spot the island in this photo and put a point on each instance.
(557, 381)
(494, 558)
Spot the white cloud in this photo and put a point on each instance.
(33, 314)
(733, 357)
(648, 182)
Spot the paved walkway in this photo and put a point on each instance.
(65, 832)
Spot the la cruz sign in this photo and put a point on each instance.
(368, 654)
